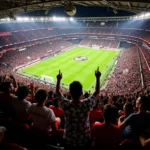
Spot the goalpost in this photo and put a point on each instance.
(47, 79)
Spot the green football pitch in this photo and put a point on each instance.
(76, 64)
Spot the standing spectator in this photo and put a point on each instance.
(77, 127)
(106, 135)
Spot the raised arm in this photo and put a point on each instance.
(14, 82)
(59, 77)
(97, 87)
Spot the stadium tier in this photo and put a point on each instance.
(75, 85)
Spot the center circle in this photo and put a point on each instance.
(80, 58)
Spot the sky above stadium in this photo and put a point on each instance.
(82, 11)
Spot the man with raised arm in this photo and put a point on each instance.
(76, 111)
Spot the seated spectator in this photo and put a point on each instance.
(58, 111)
(95, 114)
(136, 123)
(77, 127)
(127, 110)
(21, 105)
(106, 135)
(43, 118)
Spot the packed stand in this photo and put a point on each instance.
(36, 118)
(126, 75)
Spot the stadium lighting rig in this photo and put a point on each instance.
(142, 16)
(145, 15)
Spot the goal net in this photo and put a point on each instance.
(47, 79)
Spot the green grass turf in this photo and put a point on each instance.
(76, 70)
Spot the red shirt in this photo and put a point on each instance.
(105, 136)
(95, 115)
(57, 111)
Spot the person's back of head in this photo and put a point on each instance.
(56, 103)
(86, 95)
(41, 95)
(110, 113)
(114, 99)
(5, 87)
(75, 89)
(105, 101)
(22, 92)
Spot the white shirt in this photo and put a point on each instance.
(42, 117)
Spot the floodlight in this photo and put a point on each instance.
(8, 19)
(19, 19)
(26, 19)
(63, 19)
(147, 14)
(71, 19)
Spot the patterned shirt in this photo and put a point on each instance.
(77, 127)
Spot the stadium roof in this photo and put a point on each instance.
(10, 8)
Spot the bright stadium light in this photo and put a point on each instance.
(32, 19)
(71, 19)
(26, 19)
(19, 19)
(63, 19)
(8, 19)
(54, 18)
(147, 14)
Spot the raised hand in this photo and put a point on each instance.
(32, 86)
(11, 76)
(97, 73)
(59, 76)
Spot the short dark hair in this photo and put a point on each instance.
(86, 95)
(5, 86)
(75, 89)
(22, 92)
(114, 99)
(144, 101)
(110, 113)
(41, 95)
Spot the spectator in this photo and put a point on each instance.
(43, 118)
(21, 105)
(6, 99)
(127, 110)
(77, 127)
(95, 114)
(58, 111)
(106, 135)
(136, 123)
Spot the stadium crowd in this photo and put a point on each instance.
(126, 76)
(36, 115)
(36, 118)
